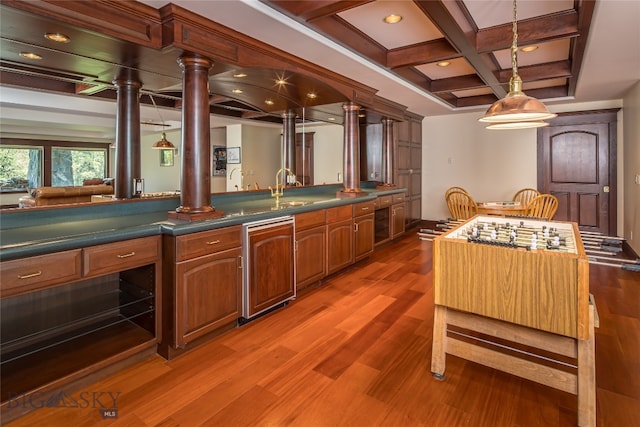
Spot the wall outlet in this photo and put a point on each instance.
(637, 179)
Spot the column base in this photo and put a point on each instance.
(385, 186)
(352, 192)
(195, 216)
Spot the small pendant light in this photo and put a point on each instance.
(163, 143)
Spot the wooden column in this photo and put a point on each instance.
(195, 186)
(289, 142)
(127, 164)
(351, 152)
(387, 154)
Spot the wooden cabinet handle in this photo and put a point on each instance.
(213, 242)
(130, 254)
(29, 276)
(366, 208)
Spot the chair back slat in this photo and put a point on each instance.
(543, 206)
(461, 205)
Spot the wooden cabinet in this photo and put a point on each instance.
(339, 238)
(311, 256)
(363, 229)
(203, 285)
(270, 266)
(398, 215)
(409, 166)
(67, 315)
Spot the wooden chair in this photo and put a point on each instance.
(543, 206)
(461, 205)
(525, 195)
(454, 189)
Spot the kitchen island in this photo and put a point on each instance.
(92, 287)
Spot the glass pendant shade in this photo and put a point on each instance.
(163, 144)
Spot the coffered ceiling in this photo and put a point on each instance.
(587, 50)
(459, 51)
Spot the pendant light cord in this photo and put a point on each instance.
(158, 110)
(514, 44)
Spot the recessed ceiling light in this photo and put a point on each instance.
(237, 91)
(239, 75)
(530, 48)
(30, 55)
(281, 81)
(331, 119)
(443, 63)
(57, 37)
(392, 19)
(268, 102)
(312, 95)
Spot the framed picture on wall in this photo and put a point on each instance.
(233, 155)
(219, 161)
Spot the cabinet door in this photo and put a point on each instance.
(363, 235)
(270, 268)
(339, 245)
(310, 256)
(397, 220)
(208, 294)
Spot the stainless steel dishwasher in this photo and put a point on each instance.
(268, 276)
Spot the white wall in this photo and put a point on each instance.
(458, 151)
(261, 156)
(157, 178)
(631, 165)
(493, 165)
(328, 153)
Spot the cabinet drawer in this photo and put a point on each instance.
(310, 219)
(364, 208)
(339, 213)
(27, 274)
(118, 256)
(398, 198)
(208, 242)
(383, 202)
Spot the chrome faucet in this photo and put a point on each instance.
(279, 190)
(241, 177)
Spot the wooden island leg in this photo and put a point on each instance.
(439, 340)
(587, 376)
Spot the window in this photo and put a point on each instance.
(20, 168)
(26, 164)
(70, 166)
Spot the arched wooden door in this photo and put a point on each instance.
(577, 164)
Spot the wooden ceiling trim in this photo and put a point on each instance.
(474, 101)
(248, 52)
(438, 13)
(550, 70)
(311, 10)
(416, 77)
(466, 82)
(421, 53)
(130, 21)
(338, 29)
(536, 30)
(579, 44)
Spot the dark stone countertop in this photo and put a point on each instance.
(36, 231)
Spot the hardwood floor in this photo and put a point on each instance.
(356, 351)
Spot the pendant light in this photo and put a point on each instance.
(163, 143)
(516, 110)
